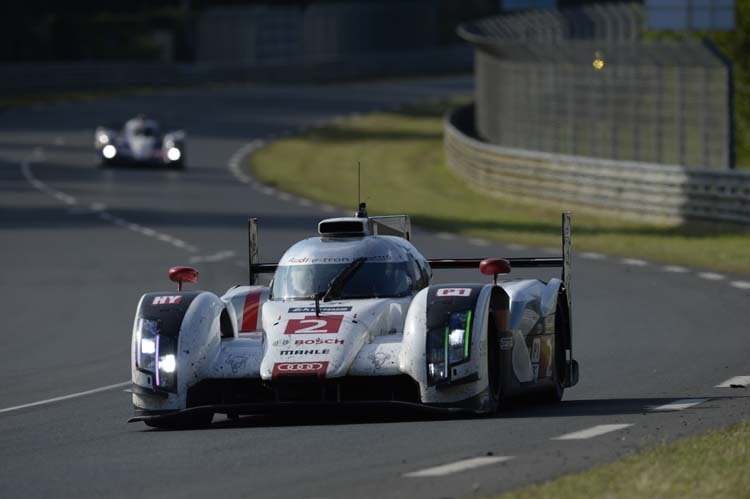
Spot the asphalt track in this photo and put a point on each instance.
(78, 245)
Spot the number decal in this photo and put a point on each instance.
(325, 324)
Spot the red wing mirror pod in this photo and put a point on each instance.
(182, 274)
(494, 266)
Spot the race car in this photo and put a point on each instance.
(140, 141)
(351, 317)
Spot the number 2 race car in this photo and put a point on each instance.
(350, 317)
(142, 142)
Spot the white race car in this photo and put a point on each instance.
(140, 141)
(350, 317)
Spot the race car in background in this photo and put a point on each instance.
(351, 317)
(140, 141)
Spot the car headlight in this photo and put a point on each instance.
(173, 154)
(103, 138)
(156, 354)
(448, 346)
(109, 151)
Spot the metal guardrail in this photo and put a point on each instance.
(631, 188)
(581, 81)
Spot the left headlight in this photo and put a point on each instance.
(156, 354)
(448, 346)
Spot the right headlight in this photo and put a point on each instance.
(448, 346)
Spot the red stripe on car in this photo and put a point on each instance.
(250, 312)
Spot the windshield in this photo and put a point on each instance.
(371, 280)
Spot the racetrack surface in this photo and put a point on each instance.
(79, 245)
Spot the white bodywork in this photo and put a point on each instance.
(354, 337)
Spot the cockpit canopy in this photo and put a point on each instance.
(363, 267)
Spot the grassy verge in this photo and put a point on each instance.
(404, 171)
(711, 465)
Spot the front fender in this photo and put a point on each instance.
(190, 323)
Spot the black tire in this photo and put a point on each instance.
(555, 394)
(493, 366)
(182, 421)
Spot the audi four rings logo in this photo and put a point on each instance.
(318, 368)
(308, 366)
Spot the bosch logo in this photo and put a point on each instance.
(309, 366)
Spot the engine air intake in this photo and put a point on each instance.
(344, 227)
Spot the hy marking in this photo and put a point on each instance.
(743, 381)
(678, 405)
(66, 397)
(458, 466)
(592, 432)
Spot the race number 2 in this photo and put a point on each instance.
(310, 324)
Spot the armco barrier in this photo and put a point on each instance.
(632, 188)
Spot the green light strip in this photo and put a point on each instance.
(447, 361)
(466, 334)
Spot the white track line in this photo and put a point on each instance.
(740, 284)
(99, 209)
(592, 256)
(67, 397)
(458, 466)
(710, 276)
(592, 432)
(736, 381)
(216, 257)
(678, 405)
(478, 242)
(677, 269)
(448, 236)
(516, 247)
(634, 262)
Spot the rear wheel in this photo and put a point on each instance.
(555, 394)
(493, 365)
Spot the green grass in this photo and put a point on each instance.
(404, 171)
(711, 465)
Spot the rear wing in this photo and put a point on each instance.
(563, 261)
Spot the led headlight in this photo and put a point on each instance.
(109, 151)
(448, 346)
(145, 344)
(156, 354)
(103, 138)
(166, 366)
(173, 154)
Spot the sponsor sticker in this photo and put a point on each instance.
(311, 310)
(311, 324)
(167, 300)
(453, 292)
(299, 368)
(319, 341)
(313, 351)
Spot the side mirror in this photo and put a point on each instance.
(182, 274)
(494, 266)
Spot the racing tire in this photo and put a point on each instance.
(494, 386)
(182, 421)
(555, 394)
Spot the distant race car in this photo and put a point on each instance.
(140, 141)
(351, 317)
